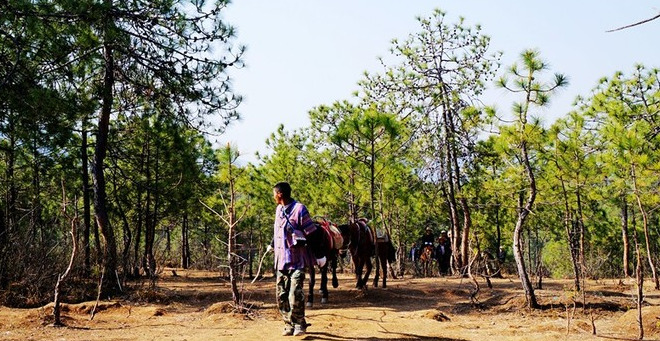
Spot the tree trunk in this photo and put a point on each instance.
(517, 232)
(100, 197)
(352, 208)
(126, 250)
(569, 226)
(12, 190)
(625, 242)
(582, 232)
(453, 209)
(35, 202)
(138, 261)
(138, 238)
(148, 261)
(86, 200)
(372, 196)
(645, 223)
(456, 182)
(498, 228)
(231, 248)
(639, 276)
(185, 248)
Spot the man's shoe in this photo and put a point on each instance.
(288, 330)
(299, 330)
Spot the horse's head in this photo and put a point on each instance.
(345, 230)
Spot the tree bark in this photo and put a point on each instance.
(625, 242)
(148, 261)
(517, 232)
(185, 248)
(86, 199)
(372, 194)
(100, 196)
(231, 248)
(645, 223)
(570, 235)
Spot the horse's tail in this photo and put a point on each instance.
(391, 252)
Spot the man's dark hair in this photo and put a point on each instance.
(284, 188)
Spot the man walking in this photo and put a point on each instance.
(291, 258)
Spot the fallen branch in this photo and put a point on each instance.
(60, 278)
(98, 295)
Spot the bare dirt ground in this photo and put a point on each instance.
(195, 306)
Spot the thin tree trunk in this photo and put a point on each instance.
(645, 222)
(231, 242)
(570, 236)
(582, 232)
(498, 228)
(624, 237)
(74, 251)
(372, 195)
(149, 263)
(639, 276)
(157, 202)
(352, 208)
(451, 199)
(138, 238)
(35, 209)
(448, 192)
(185, 248)
(467, 218)
(517, 232)
(12, 190)
(126, 230)
(100, 199)
(86, 199)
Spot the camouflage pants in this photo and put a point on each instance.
(291, 297)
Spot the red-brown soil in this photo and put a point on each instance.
(195, 305)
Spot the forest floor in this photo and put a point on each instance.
(195, 305)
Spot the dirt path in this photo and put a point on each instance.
(194, 306)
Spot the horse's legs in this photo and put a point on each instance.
(312, 280)
(324, 284)
(358, 263)
(333, 266)
(368, 272)
(383, 265)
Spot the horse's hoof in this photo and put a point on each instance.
(324, 300)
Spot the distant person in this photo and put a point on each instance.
(501, 255)
(291, 258)
(443, 253)
(414, 252)
(428, 239)
(414, 255)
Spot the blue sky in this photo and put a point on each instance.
(305, 53)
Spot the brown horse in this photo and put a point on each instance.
(322, 242)
(426, 261)
(359, 240)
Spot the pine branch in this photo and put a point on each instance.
(635, 24)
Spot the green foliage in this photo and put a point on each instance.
(557, 259)
(407, 150)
